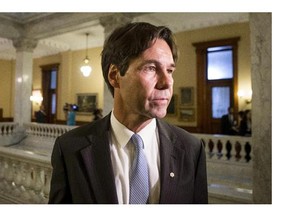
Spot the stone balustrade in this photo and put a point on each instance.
(25, 168)
(46, 130)
(24, 176)
(227, 148)
(7, 128)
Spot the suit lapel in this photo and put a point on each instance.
(171, 158)
(98, 164)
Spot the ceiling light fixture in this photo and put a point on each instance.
(86, 68)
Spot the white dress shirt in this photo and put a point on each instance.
(122, 155)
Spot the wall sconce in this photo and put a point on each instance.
(36, 96)
(245, 95)
(86, 68)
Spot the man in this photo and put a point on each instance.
(228, 124)
(41, 116)
(93, 163)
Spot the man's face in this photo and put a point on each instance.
(147, 87)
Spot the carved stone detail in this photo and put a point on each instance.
(25, 44)
(111, 22)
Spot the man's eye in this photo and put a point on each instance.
(170, 71)
(150, 68)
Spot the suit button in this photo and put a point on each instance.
(172, 174)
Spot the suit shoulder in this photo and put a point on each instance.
(180, 133)
(95, 127)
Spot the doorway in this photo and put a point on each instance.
(49, 91)
(217, 80)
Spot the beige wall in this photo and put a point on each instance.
(71, 81)
(7, 68)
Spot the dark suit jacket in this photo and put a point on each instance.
(83, 173)
(227, 126)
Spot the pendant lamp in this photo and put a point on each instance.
(86, 68)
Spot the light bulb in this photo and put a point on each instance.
(86, 68)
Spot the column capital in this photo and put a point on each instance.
(25, 44)
(111, 22)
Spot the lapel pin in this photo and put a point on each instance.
(172, 174)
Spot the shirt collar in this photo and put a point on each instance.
(122, 134)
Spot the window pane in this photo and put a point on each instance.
(219, 48)
(220, 101)
(53, 80)
(53, 104)
(220, 65)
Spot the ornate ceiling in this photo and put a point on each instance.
(58, 32)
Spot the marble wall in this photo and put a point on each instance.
(261, 73)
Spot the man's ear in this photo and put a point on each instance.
(113, 75)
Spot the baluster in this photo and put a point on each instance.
(36, 131)
(17, 179)
(38, 184)
(27, 184)
(238, 151)
(219, 148)
(247, 151)
(51, 131)
(228, 149)
(9, 175)
(10, 129)
(47, 180)
(5, 171)
(211, 146)
(6, 130)
(45, 131)
(56, 131)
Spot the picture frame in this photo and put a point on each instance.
(172, 107)
(87, 103)
(187, 96)
(186, 114)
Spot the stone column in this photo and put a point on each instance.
(110, 23)
(261, 70)
(23, 79)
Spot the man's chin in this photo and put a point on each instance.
(159, 114)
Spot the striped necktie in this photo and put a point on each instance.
(139, 180)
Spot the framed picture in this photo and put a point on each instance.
(187, 114)
(87, 103)
(187, 96)
(172, 108)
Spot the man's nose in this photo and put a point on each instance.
(165, 80)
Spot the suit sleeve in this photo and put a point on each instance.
(201, 191)
(59, 188)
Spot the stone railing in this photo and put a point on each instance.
(227, 148)
(24, 176)
(10, 133)
(46, 130)
(7, 128)
(25, 169)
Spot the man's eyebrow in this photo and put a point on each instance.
(149, 61)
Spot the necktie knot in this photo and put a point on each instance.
(137, 141)
(139, 181)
